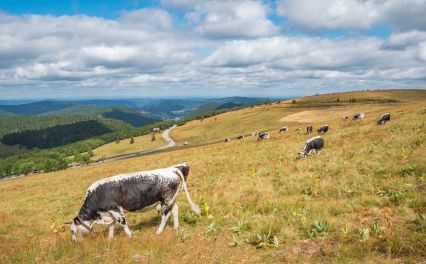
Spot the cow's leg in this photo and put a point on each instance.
(165, 214)
(175, 213)
(122, 221)
(111, 230)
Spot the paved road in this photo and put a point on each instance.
(170, 143)
(165, 135)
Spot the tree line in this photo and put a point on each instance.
(55, 136)
(52, 159)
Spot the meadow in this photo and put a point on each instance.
(361, 200)
(141, 143)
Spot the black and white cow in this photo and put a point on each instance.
(383, 119)
(309, 129)
(107, 199)
(263, 136)
(358, 116)
(323, 129)
(314, 144)
(227, 140)
(283, 129)
(240, 137)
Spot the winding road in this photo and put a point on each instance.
(170, 143)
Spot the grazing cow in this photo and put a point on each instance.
(358, 116)
(309, 129)
(314, 144)
(107, 199)
(323, 129)
(253, 134)
(240, 137)
(383, 119)
(263, 136)
(227, 140)
(283, 129)
(344, 118)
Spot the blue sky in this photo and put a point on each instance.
(66, 49)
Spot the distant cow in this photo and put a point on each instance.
(263, 136)
(185, 143)
(227, 140)
(344, 118)
(240, 137)
(107, 199)
(283, 129)
(323, 129)
(314, 144)
(253, 134)
(309, 129)
(383, 119)
(358, 116)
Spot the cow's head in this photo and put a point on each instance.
(78, 228)
(184, 168)
(302, 154)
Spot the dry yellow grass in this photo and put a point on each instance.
(307, 110)
(322, 115)
(141, 143)
(367, 176)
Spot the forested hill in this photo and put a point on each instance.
(36, 108)
(57, 135)
(133, 118)
(11, 124)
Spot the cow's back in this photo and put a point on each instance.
(131, 192)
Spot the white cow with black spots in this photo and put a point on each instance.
(107, 199)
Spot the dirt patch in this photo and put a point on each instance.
(319, 115)
(307, 249)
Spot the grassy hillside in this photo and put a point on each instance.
(362, 199)
(141, 143)
(305, 110)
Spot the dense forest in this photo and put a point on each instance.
(133, 118)
(45, 160)
(57, 135)
(11, 124)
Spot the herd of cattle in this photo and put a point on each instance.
(315, 144)
(107, 199)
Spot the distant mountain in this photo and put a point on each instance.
(102, 102)
(79, 109)
(133, 118)
(209, 107)
(129, 110)
(171, 108)
(35, 108)
(177, 108)
(4, 113)
(225, 103)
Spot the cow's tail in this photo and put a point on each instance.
(194, 207)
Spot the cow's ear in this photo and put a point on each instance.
(77, 221)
